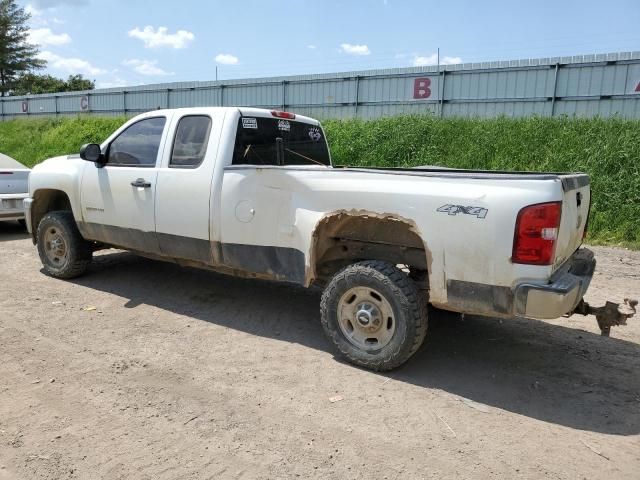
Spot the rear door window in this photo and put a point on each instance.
(257, 143)
(190, 144)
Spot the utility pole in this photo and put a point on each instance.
(439, 80)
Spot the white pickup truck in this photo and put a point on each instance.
(253, 193)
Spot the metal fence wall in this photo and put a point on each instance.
(586, 85)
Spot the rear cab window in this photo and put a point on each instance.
(279, 141)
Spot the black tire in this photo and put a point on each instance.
(78, 252)
(408, 305)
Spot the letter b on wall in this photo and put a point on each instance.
(421, 88)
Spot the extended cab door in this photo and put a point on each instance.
(118, 200)
(258, 212)
(183, 196)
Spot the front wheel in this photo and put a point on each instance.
(374, 314)
(63, 252)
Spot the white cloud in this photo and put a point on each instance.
(113, 83)
(311, 47)
(355, 49)
(423, 61)
(147, 67)
(69, 64)
(39, 19)
(33, 11)
(161, 37)
(44, 37)
(227, 59)
(451, 60)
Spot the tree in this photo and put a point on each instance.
(17, 55)
(76, 83)
(30, 83)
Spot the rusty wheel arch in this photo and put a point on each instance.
(344, 237)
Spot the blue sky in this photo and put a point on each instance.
(133, 42)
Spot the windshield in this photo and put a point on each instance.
(257, 143)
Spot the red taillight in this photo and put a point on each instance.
(536, 233)
(279, 114)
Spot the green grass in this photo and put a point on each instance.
(34, 140)
(607, 149)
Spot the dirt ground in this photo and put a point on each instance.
(145, 370)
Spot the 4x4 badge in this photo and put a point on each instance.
(478, 212)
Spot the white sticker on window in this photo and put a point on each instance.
(314, 134)
(249, 122)
(284, 125)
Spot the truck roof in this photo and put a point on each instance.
(244, 111)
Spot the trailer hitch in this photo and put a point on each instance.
(611, 314)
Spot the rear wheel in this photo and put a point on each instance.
(63, 252)
(374, 314)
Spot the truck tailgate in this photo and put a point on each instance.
(14, 181)
(575, 212)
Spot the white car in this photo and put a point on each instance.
(14, 188)
(253, 193)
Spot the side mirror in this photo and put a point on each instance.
(91, 153)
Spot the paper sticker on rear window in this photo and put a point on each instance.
(314, 134)
(249, 122)
(284, 125)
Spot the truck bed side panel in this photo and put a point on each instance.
(466, 223)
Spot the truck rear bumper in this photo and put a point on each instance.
(562, 294)
(11, 206)
(534, 299)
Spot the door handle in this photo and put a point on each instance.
(141, 183)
